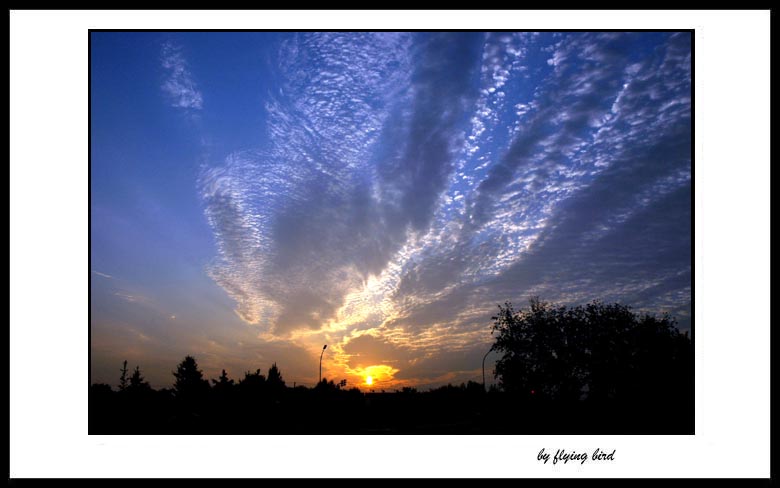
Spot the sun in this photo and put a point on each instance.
(375, 375)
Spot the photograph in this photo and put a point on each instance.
(385, 232)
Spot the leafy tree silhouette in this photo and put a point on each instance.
(326, 385)
(252, 385)
(599, 352)
(189, 380)
(254, 380)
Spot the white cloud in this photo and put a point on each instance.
(349, 220)
(179, 86)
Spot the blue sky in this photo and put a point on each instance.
(257, 195)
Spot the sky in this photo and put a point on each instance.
(257, 195)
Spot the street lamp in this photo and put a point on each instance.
(323, 352)
(483, 367)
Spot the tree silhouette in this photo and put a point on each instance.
(137, 382)
(592, 369)
(326, 385)
(599, 352)
(123, 377)
(274, 381)
(251, 380)
(223, 394)
(252, 383)
(223, 383)
(189, 379)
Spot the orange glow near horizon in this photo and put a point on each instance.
(376, 375)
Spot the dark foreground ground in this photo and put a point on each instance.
(447, 411)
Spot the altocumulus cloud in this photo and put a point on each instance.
(179, 85)
(364, 130)
(412, 181)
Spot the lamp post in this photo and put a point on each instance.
(323, 352)
(483, 367)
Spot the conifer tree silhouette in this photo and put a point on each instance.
(189, 379)
(275, 381)
(137, 382)
(223, 382)
(123, 377)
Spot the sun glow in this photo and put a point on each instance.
(378, 374)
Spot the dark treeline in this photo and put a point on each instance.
(594, 369)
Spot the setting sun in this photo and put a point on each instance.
(377, 374)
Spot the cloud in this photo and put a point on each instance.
(409, 182)
(575, 193)
(128, 297)
(362, 147)
(414, 181)
(179, 85)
